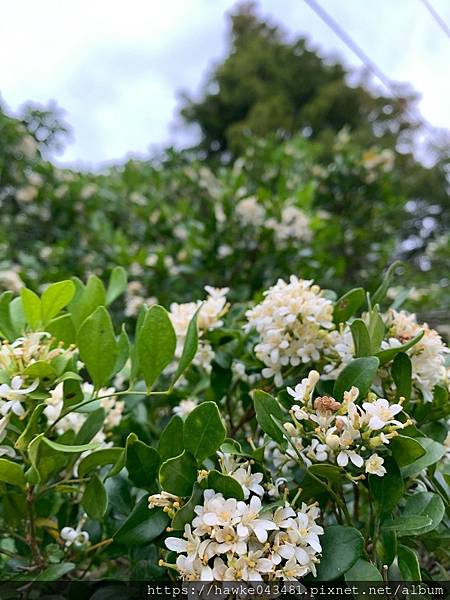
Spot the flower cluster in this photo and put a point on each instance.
(324, 430)
(74, 420)
(293, 323)
(209, 317)
(294, 224)
(231, 540)
(427, 356)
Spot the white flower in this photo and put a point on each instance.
(374, 465)
(380, 413)
(73, 536)
(54, 403)
(294, 224)
(251, 521)
(185, 407)
(345, 455)
(249, 481)
(291, 571)
(193, 545)
(250, 212)
(292, 322)
(14, 395)
(228, 540)
(303, 390)
(283, 516)
(216, 511)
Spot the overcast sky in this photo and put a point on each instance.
(117, 67)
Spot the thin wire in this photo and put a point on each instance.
(437, 17)
(366, 60)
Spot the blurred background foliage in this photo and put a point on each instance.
(297, 171)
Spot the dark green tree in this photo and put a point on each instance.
(270, 84)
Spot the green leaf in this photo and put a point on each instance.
(17, 316)
(11, 472)
(63, 330)
(348, 304)
(341, 548)
(379, 295)
(177, 475)
(99, 458)
(387, 355)
(32, 428)
(142, 526)
(171, 439)
(360, 373)
(265, 407)
(433, 453)
(41, 370)
(55, 572)
(186, 513)
(71, 449)
(376, 330)
(425, 504)
(95, 499)
(142, 462)
(87, 300)
(189, 348)
(363, 570)
(361, 338)
(401, 374)
(55, 298)
(405, 450)
(6, 325)
(123, 351)
(408, 564)
(98, 346)
(406, 525)
(332, 473)
(203, 431)
(31, 307)
(156, 344)
(91, 426)
(226, 485)
(387, 491)
(117, 284)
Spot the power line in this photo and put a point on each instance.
(437, 17)
(366, 60)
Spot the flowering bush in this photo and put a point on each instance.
(301, 436)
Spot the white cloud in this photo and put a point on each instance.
(116, 67)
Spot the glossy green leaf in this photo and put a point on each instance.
(142, 462)
(6, 325)
(99, 458)
(71, 449)
(342, 547)
(177, 475)
(406, 450)
(87, 300)
(91, 426)
(143, 525)
(55, 297)
(363, 570)
(433, 453)
(361, 338)
(425, 504)
(267, 406)
(95, 499)
(31, 307)
(387, 491)
(405, 525)
(171, 439)
(189, 348)
(408, 564)
(63, 330)
(98, 346)
(380, 293)
(11, 472)
(186, 513)
(401, 374)
(117, 284)
(123, 351)
(226, 485)
(156, 344)
(32, 428)
(203, 431)
(360, 373)
(348, 304)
